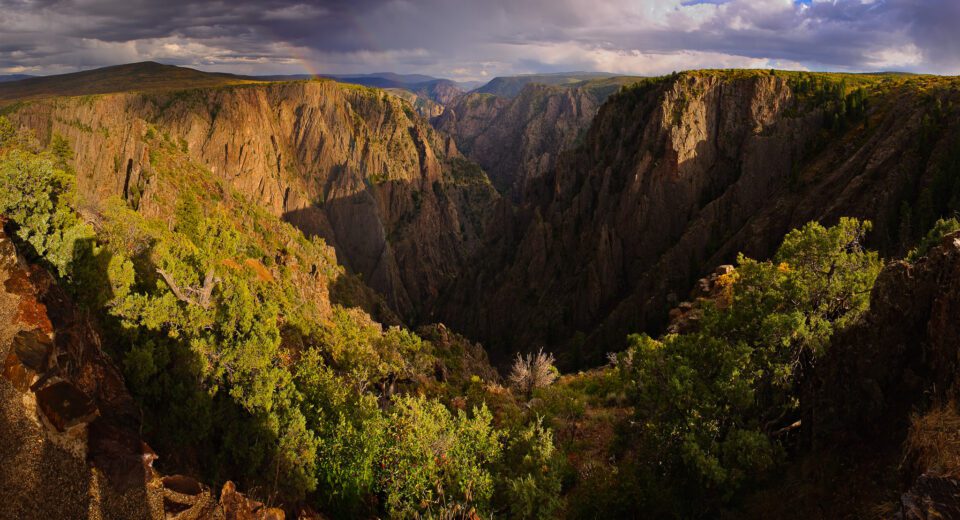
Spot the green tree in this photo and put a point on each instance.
(7, 131)
(37, 195)
(709, 403)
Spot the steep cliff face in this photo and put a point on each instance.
(424, 106)
(442, 91)
(351, 164)
(676, 176)
(518, 139)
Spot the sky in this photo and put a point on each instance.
(480, 39)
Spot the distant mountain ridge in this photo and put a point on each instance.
(14, 77)
(511, 86)
(151, 75)
(141, 76)
(442, 91)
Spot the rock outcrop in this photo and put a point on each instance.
(350, 164)
(901, 357)
(64, 409)
(887, 386)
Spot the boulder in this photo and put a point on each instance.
(235, 506)
(28, 358)
(65, 405)
(186, 498)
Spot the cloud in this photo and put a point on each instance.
(475, 39)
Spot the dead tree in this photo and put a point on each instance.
(192, 295)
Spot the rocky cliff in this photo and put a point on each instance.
(519, 138)
(442, 91)
(900, 359)
(677, 175)
(881, 404)
(350, 164)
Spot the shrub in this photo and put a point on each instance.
(942, 228)
(532, 371)
(435, 460)
(530, 485)
(7, 131)
(36, 196)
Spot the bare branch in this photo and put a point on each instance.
(205, 292)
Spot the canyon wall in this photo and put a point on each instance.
(519, 139)
(676, 176)
(353, 165)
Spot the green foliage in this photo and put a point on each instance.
(709, 404)
(350, 429)
(60, 149)
(7, 131)
(36, 195)
(188, 217)
(941, 228)
(437, 461)
(247, 372)
(531, 470)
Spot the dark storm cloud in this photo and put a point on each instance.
(480, 38)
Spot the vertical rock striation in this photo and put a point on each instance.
(350, 164)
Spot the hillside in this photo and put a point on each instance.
(246, 347)
(145, 76)
(13, 77)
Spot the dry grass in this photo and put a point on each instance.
(933, 442)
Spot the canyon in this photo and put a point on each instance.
(613, 197)
(517, 217)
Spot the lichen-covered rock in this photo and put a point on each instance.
(28, 358)
(65, 405)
